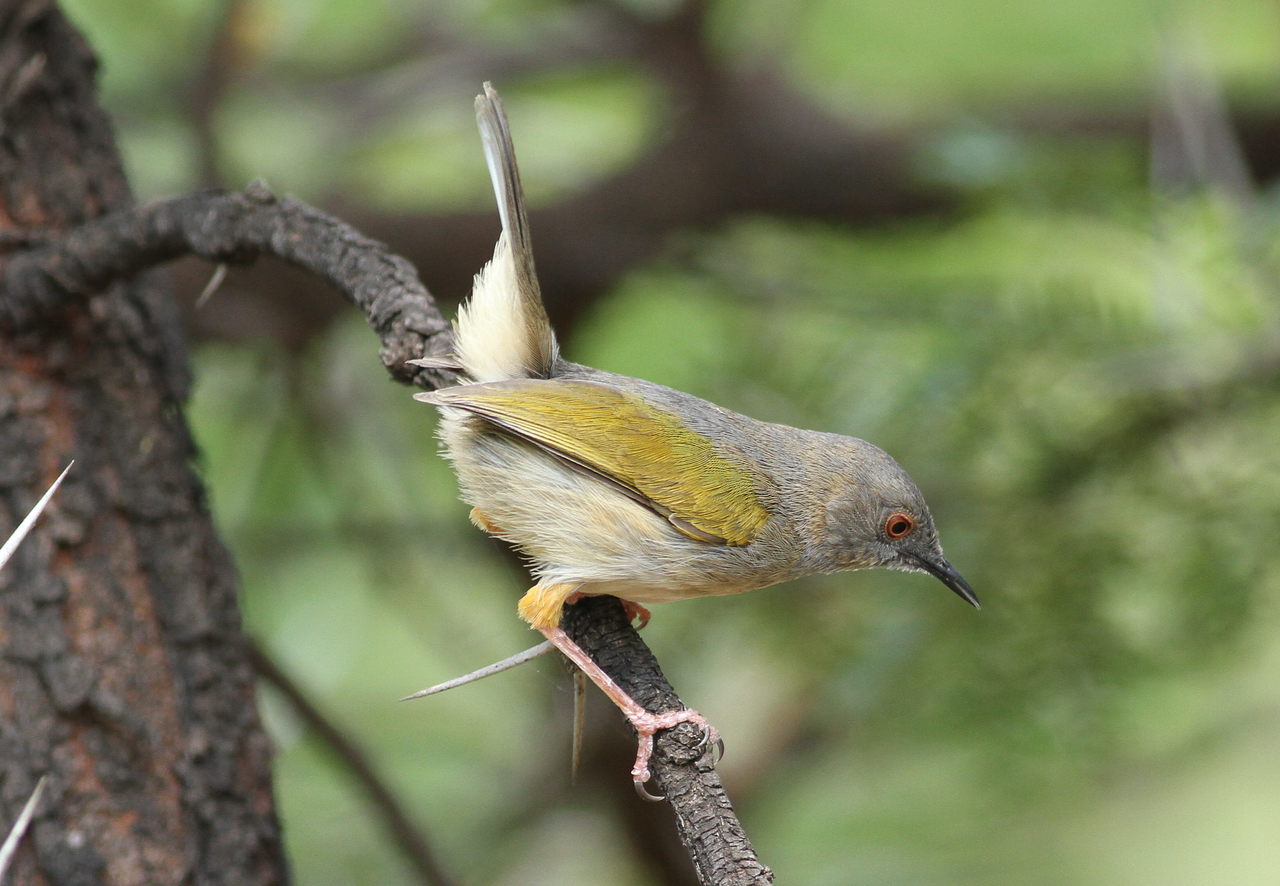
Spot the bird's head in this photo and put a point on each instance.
(875, 516)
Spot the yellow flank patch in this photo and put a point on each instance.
(646, 452)
(542, 605)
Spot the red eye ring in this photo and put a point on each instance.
(899, 525)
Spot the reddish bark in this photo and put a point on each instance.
(123, 674)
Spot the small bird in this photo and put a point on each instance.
(614, 485)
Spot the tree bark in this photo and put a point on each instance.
(43, 282)
(123, 673)
(686, 776)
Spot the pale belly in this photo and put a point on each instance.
(578, 531)
(650, 592)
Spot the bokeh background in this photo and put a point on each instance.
(1036, 261)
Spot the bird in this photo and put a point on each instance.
(615, 485)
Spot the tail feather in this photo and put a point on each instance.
(502, 332)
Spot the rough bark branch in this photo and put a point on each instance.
(234, 228)
(710, 831)
(44, 282)
(123, 679)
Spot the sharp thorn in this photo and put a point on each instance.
(15, 539)
(219, 274)
(487, 671)
(579, 722)
(10, 845)
(447, 361)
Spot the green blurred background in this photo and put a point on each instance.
(1077, 356)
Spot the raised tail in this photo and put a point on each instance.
(502, 332)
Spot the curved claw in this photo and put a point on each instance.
(645, 795)
(703, 742)
(710, 737)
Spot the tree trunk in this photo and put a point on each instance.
(123, 675)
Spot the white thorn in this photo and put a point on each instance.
(20, 827)
(487, 671)
(7, 549)
(219, 274)
(579, 722)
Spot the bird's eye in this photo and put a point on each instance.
(899, 525)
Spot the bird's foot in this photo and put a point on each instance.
(637, 614)
(647, 725)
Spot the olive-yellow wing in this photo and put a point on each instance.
(644, 452)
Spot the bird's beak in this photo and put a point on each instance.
(944, 572)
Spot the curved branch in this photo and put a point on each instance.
(710, 831)
(235, 228)
(41, 283)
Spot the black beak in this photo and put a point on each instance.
(944, 572)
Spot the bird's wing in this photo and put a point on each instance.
(644, 452)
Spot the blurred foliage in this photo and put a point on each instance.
(1072, 367)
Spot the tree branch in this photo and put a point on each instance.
(710, 831)
(40, 284)
(233, 228)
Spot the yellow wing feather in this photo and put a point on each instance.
(644, 452)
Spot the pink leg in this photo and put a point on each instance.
(645, 723)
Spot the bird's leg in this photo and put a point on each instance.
(542, 606)
(645, 723)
